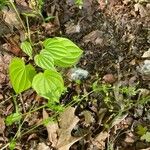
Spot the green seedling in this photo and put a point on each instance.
(79, 3)
(14, 117)
(49, 83)
(12, 144)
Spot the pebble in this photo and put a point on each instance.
(78, 74)
(109, 78)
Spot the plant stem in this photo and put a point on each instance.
(5, 146)
(18, 15)
(29, 33)
(35, 110)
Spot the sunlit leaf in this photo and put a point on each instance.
(64, 51)
(27, 48)
(48, 84)
(44, 60)
(55, 47)
(21, 75)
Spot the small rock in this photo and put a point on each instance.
(145, 70)
(109, 78)
(78, 74)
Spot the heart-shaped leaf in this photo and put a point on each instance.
(67, 53)
(48, 84)
(55, 47)
(21, 75)
(44, 60)
(27, 48)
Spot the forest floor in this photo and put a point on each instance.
(112, 108)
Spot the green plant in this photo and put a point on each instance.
(79, 3)
(143, 133)
(49, 84)
(3, 3)
(146, 137)
(14, 117)
(119, 97)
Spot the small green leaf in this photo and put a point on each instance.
(44, 60)
(27, 48)
(146, 137)
(48, 84)
(15, 117)
(64, 51)
(48, 121)
(12, 144)
(141, 130)
(79, 3)
(21, 75)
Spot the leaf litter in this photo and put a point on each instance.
(107, 32)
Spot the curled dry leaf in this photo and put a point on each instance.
(52, 128)
(67, 122)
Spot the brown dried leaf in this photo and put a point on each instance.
(52, 129)
(67, 122)
(42, 146)
(11, 18)
(99, 141)
(88, 117)
(95, 37)
(141, 9)
(72, 28)
(2, 125)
